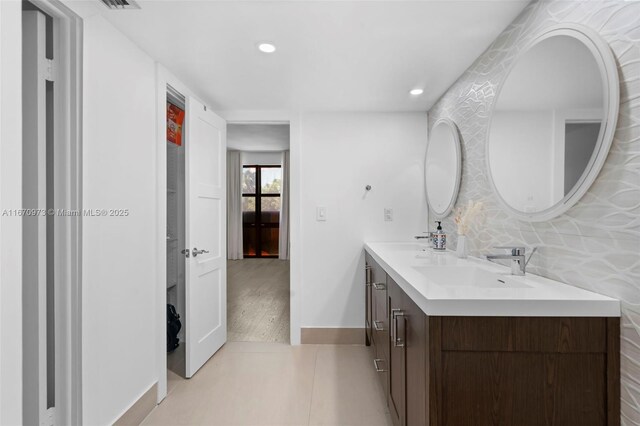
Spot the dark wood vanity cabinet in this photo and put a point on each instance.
(377, 314)
(519, 371)
(398, 343)
(407, 359)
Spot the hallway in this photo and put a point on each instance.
(258, 300)
(275, 384)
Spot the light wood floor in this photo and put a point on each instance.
(258, 300)
(260, 384)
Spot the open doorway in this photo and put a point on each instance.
(175, 231)
(258, 295)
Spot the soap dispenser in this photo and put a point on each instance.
(439, 238)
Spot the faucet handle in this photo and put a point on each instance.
(515, 250)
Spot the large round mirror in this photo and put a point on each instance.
(553, 122)
(442, 167)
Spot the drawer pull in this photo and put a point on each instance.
(380, 286)
(377, 326)
(377, 367)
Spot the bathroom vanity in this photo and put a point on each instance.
(463, 342)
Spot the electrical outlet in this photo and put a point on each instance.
(388, 214)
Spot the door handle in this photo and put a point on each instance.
(377, 326)
(195, 252)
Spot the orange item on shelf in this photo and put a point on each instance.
(175, 119)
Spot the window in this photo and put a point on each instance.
(261, 210)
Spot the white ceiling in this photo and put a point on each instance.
(258, 137)
(331, 55)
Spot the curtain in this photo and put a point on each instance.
(234, 205)
(283, 241)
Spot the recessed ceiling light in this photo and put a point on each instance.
(266, 47)
(416, 92)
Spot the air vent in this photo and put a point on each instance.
(120, 4)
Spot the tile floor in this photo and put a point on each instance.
(249, 383)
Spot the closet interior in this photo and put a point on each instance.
(175, 231)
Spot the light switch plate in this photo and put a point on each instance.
(321, 214)
(388, 214)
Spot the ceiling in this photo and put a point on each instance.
(258, 137)
(331, 55)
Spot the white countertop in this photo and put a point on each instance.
(528, 296)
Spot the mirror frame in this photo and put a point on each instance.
(611, 92)
(456, 189)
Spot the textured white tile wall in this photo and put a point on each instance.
(596, 244)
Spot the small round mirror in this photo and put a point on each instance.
(553, 123)
(442, 167)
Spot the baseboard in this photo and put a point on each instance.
(140, 409)
(332, 336)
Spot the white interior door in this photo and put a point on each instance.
(206, 270)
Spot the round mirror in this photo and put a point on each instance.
(442, 167)
(553, 123)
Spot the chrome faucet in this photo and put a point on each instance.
(518, 261)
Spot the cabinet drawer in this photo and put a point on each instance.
(522, 334)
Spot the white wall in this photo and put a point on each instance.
(119, 253)
(341, 153)
(261, 158)
(10, 227)
(259, 137)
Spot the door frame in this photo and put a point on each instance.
(163, 78)
(68, 71)
(293, 119)
(10, 198)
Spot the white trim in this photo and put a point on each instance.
(295, 243)
(10, 227)
(454, 195)
(610, 87)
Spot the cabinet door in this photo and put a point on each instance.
(415, 340)
(397, 355)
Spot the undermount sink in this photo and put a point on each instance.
(468, 276)
(411, 247)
